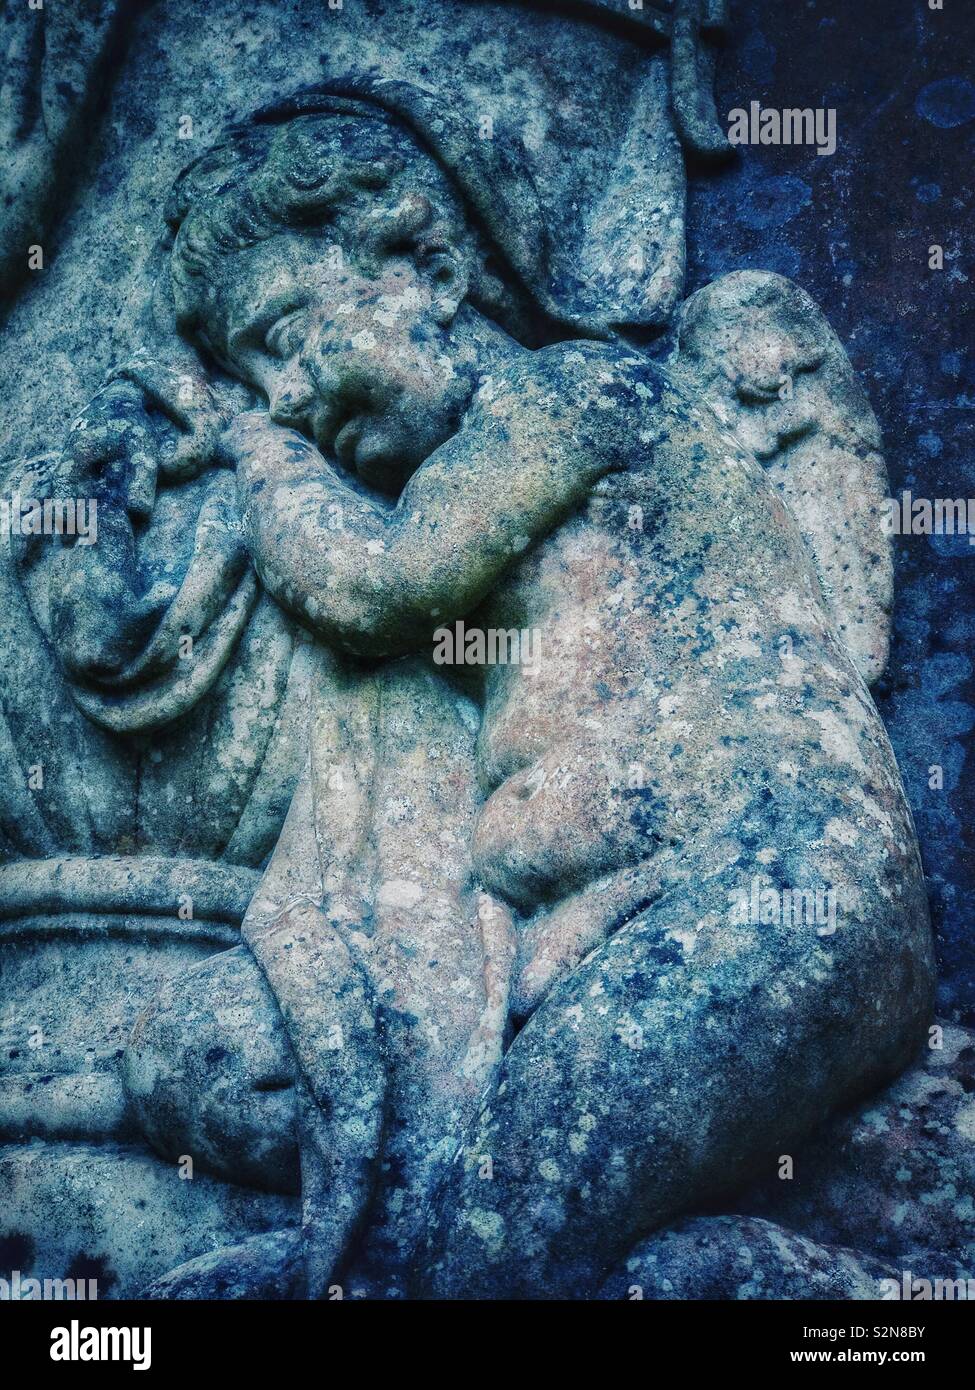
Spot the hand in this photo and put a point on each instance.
(155, 419)
(112, 451)
(191, 410)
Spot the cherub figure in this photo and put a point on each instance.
(426, 451)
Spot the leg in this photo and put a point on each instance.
(676, 1058)
(209, 1073)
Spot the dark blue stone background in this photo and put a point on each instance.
(854, 229)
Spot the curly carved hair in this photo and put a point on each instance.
(333, 177)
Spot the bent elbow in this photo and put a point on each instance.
(373, 636)
(357, 623)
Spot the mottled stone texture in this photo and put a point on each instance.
(338, 952)
(54, 60)
(854, 230)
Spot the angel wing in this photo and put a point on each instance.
(763, 355)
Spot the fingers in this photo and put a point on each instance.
(119, 447)
(115, 454)
(139, 491)
(180, 391)
(153, 421)
(184, 456)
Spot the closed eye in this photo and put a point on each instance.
(281, 339)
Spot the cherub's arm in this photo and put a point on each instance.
(377, 580)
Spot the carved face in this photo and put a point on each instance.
(354, 350)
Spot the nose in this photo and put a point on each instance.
(349, 381)
(345, 377)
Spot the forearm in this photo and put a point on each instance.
(377, 580)
(324, 551)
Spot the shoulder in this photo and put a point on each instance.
(584, 363)
(602, 400)
(606, 383)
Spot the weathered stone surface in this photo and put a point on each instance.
(771, 367)
(897, 1174)
(264, 1267)
(746, 1257)
(742, 1257)
(880, 1198)
(201, 1079)
(116, 1214)
(54, 61)
(461, 800)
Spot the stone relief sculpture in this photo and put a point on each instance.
(360, 958)
(54, 60)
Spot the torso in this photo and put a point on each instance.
(698, 646)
